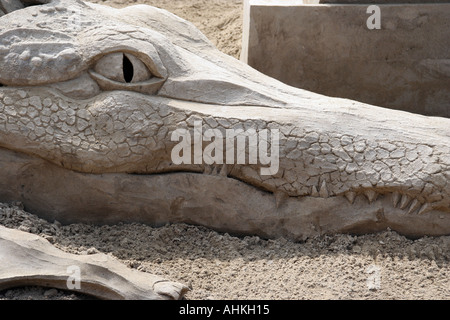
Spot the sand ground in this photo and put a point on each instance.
(222, 266)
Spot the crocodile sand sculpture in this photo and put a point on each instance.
(90, 98)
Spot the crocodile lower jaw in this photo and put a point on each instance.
(215, 201)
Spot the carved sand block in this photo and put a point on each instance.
(392, 54)
(27, 259)
(111, 115)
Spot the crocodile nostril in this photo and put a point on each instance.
(128, 70)
(14, 5)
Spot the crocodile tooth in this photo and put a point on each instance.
(324, 190)
(314, 192)
(414, 206)
(214, 171)
(224, 170)
(350, 195)
(404, 202)
(207, 169)
(395, 199)
(425, 208)
(280, 197)
(371, 195)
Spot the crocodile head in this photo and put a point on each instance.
(90, 99)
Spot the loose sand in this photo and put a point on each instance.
(221, 266)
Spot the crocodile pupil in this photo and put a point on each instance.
(127, 69)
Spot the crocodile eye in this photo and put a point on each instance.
(124, 71)
(122, 67)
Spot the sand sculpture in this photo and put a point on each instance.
(111, 115)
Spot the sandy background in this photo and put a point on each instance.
(221, 266)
